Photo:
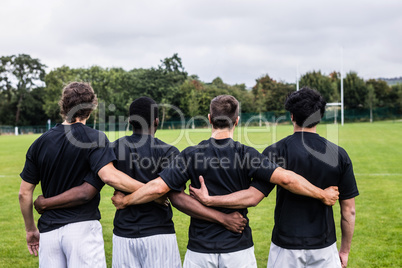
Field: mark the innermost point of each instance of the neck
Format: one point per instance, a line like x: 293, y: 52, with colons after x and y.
x: 297, y: 128
x: 76, y: 121
x: 223, y: 133
x: 144, y: 132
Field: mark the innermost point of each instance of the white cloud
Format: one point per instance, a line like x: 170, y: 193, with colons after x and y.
x: 236, y: 40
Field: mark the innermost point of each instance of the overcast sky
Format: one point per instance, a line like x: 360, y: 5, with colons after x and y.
x: 238, y: 41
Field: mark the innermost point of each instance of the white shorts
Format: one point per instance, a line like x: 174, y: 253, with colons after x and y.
x: 77, y: 244
x: 242, y: 258
x: 324, y: 257
x: 156, y: 251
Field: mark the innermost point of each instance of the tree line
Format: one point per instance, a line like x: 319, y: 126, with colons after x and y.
x: 29, y: 95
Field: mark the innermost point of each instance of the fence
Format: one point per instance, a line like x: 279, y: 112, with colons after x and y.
x: 246, y: 119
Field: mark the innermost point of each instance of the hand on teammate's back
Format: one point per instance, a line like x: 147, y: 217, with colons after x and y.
x: 118, y: 200
x: 235, y: 222
x: 201, y: 194
x: 163, y: 200
x: 39, y: 204
x: 331, y: 194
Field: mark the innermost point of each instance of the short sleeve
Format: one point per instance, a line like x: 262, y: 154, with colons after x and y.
x: 347, y: 185
x: 176, y: 174
x: 169, y: 156
x: 262, y: 186
x: 101, y: 155
x: 94, y: 180
x: 260, y: 169
x: 30, y: 173
x: 273, y: 154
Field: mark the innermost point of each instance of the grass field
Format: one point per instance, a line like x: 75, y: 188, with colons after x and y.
x: 376, y: 152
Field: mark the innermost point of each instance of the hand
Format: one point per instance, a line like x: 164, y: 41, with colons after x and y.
x: 118, y: 200
x: 33, y: 242
x: 234, y: 222
x: 201, y: 194
x: 163, y: 200
x: 331, y: 194
x: 344, y: 259
x: 40, y: 204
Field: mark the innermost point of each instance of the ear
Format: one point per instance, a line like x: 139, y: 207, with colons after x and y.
x: 291, y: 117
x: 156, y: 123
x: 209, y: 118
x: 237, y: 121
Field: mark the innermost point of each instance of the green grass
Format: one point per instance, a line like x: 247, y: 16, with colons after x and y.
x: 375, y: 150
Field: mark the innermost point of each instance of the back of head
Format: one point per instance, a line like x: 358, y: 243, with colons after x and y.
x: 307, y: 107
x: 224, y: 110
x: 143, y: 112
x: 78, y: 100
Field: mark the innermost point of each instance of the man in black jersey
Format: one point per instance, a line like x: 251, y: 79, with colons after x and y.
x: 304, y: 231
x: 303, y: 226
x: 227, y: 166
x: 144, y: 235
x: 69, y: 155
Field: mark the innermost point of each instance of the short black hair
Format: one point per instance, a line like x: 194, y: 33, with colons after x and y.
x: 304, y: 104
x: 143, y: 112
x: 224, y: 110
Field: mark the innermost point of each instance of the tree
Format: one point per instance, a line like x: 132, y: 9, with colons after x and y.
x: 189, y: 102
x: 381, y: 91
x: 20, y: 75
x: 397, y: 95
x: 355, y: 91
x: 319, y: 82
x: 371, y: 100
x: 272, y: 93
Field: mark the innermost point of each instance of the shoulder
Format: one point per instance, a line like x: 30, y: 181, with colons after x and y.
x: 244, y: 150
x: 89, y: 134
x: 344, y: 155
x: 165, y: 147
x: 278, y: 146
x: 203, y: 145
x: 43, y: 138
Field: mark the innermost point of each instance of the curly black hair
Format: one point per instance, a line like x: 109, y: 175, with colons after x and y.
x: 304, y: 105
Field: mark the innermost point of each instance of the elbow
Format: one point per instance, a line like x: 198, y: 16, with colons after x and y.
x: 286, y: 181
x: 159, y: 187
x: 254, y: 202
x: 353, y: 212
x: 111, y: 180
x: 348, y: 214
x: 85, y: 198
x: 22, y: 195
x: 108, y: 180
x: 174, y: 198
x: 160, y: 190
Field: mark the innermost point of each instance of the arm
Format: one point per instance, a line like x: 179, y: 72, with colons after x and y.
x: 234, y: 222
x: 118, y: 180
x: 32, y: 234
x: 299, y: 185
x: 73, y: 197
x: 149, y: 192
x: 348, y: 216
x: 237, y: 200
